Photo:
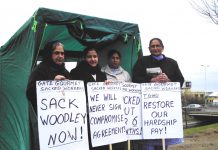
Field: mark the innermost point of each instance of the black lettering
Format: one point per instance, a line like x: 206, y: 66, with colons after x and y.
x: 53, y: 101
x: 71, y: 102
x: 59, y: 103
x: 94, y: 97
x: 42, y: 101
x: 52, y: 139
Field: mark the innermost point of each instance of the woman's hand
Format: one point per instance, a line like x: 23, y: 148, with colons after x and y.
x: 107, y: 82
x: 59, y: 77
x: 161, y: 78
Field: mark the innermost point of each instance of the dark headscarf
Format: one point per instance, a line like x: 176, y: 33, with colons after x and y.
x: 48, y: 50
x: 47, y: 54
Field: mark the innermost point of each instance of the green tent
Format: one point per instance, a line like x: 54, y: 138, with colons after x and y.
x: 19, y: 56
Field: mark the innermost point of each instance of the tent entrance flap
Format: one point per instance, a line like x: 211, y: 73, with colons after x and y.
x: 18, y: 55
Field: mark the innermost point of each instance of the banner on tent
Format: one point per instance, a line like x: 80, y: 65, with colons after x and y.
x: 62, y: 118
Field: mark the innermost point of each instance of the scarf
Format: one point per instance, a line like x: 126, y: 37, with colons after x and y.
x: 160, y: 57
x: 83, y: 65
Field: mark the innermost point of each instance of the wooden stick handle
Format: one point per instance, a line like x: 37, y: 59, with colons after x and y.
x: 128, y: 144
x: 164, y: 144
x: 110, y: 147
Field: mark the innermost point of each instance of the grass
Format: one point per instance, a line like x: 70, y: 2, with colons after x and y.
x: 191, y: 131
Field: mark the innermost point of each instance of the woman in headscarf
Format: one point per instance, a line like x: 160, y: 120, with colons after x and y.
x: 52, y: 67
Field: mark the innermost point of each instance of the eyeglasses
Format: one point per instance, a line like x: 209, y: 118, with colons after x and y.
x: 58, y: 53
x: 157, y: 46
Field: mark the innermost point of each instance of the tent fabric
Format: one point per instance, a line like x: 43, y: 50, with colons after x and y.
x: 19, y: 55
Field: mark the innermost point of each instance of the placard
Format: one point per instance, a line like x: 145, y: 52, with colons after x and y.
x: 62, y: 117
x: 161, y: 110
x: 132, y: 110
x: 106, y: 115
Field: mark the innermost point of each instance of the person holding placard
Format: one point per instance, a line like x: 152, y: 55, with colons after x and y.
x: 52, y: 67
x: 115, y: 72
x: 113, y: 69
x: 156, y: 68
x: 89, y: 70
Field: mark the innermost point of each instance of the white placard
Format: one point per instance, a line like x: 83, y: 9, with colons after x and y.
x: 62, y: 117
x: 132, y: 110
x: 162, y: 111
x: 106, y: 115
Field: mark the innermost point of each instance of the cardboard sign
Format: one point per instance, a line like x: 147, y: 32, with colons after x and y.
x: 106, y: 115
x: 62, y: 117
x: 132, y: 110
x: 161, y: 110
x: 117, y: 112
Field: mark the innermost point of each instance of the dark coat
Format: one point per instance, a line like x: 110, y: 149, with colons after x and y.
x: 167, y: 65
x: 84, y: 71
x: 140, y: 75
x: 44, y: 71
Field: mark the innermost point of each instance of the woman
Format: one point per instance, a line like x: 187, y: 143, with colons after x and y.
x: 52, y: 67
x: 89, y: 70
x: 113, y: 69
x: 156, y: 68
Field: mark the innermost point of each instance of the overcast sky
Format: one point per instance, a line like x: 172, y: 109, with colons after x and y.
x: 188, y: 37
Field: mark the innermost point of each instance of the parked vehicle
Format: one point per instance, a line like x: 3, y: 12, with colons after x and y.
x: 193, y: 107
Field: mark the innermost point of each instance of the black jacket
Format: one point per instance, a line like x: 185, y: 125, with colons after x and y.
x: 84, y: 72
x: 44, y: 71
x: 167, y: 65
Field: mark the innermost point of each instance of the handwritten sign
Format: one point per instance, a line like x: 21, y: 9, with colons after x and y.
x: 62, y: 118
x: 106, y: 115
x: 161, y: 110
x: 132, y: 110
